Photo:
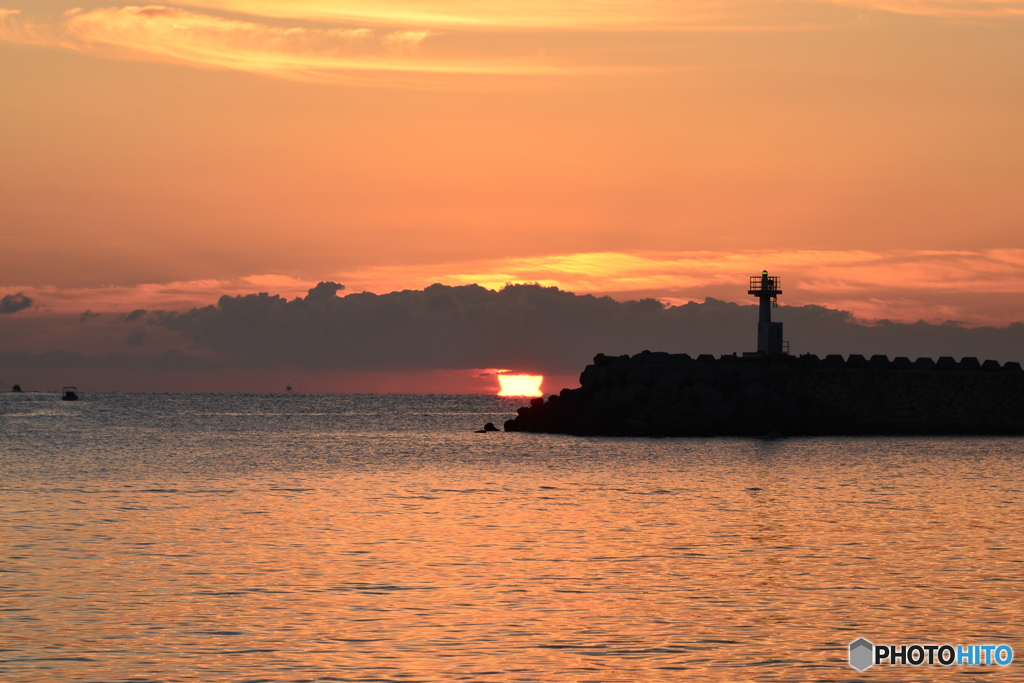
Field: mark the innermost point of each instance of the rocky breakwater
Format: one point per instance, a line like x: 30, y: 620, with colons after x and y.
x: 662, y: 394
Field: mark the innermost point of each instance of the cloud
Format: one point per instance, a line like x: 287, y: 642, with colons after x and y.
x: 131, y: 302
x: 137, y: 337
x: 978, y: 287
x: 12, y: 303
x: 406, y: 42
x: 324, y: 292
x: 498, y: 14
x: 583, y: 15
x: 536, y: 328
x: 87, y: 315
x: 598, y: 15
x: 452, y: 337
x: 328, y: 55
x: 945, y: 9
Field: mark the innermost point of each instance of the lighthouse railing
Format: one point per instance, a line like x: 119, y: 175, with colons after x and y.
x: 756, y: 282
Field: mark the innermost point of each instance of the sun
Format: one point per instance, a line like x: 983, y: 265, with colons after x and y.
x: 520, y: 385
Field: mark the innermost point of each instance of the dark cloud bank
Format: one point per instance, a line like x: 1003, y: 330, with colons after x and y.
x: 524, y: 328
x: 534, y: 328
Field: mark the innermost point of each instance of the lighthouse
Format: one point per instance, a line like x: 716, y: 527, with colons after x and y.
x: 769, y: 335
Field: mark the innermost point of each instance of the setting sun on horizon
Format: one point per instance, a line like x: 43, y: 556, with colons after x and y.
x: 520, y: 385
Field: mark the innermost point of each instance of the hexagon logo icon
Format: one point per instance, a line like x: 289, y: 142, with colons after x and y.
x: 862, y: 654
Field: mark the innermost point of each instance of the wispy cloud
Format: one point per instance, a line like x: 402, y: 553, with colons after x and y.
x: 15, y: 28
x: 365, y: 42
x: 603, y: 15
x: 500, y: 14
x: 945, y: 9
x: 171, y: 34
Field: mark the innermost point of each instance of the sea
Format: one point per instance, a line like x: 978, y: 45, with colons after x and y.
x: 254, y: 537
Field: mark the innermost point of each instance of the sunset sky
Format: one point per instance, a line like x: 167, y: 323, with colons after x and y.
x: 158, y: 157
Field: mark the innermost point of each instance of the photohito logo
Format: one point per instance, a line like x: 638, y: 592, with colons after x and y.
x: 864, y: 654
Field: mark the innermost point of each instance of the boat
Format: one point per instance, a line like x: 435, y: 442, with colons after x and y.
x: 70, y: 394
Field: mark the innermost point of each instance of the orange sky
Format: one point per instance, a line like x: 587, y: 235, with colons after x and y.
x: 869, y: 151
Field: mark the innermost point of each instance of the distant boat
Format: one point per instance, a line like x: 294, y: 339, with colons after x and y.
x: 70, y: 394
x: 288, y: 388
x: 16, y: 389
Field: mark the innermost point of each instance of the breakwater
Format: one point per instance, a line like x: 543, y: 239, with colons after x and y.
x: 662, y: 394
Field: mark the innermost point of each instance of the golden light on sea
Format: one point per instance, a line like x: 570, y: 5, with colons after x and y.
x: 520, y: 385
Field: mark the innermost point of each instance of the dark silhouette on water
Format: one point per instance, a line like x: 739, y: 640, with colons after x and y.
x: 16, y: 389
x: 70, y: 394
x: 772, y: 393
x: 489, y: 427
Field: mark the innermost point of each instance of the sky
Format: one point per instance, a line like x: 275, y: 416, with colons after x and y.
x: 158, y: 158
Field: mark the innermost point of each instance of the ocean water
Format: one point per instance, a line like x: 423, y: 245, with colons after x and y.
x: 187, y: 537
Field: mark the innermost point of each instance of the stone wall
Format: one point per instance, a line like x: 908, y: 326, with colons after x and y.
x: 661, y: 394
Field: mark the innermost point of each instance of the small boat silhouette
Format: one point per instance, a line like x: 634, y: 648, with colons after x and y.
x: 70, y: 394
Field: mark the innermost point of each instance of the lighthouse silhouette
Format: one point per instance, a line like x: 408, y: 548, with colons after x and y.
x: 769, y: 335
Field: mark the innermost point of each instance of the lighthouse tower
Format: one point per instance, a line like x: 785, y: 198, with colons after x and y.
x: 769, y: 334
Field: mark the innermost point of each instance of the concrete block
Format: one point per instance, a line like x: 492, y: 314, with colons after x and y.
x: 969, y: 364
